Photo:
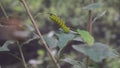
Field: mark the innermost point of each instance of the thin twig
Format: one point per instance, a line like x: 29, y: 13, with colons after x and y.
x: 22, y: 56
x: 89, y: 28
x: 3, y: 10
x: 39, y: 33
x: 15, y: 56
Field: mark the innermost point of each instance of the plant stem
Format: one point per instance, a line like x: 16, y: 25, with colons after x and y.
x: 39, y: 33
x: 89, y: 28
x: 15, y: 56
x: 3, y: 10
x: 22, y: 56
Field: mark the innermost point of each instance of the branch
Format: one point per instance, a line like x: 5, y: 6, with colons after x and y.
x: 22, y: 56
x: 39, y: 33
x: 89, y: 28
x: 3, y: 10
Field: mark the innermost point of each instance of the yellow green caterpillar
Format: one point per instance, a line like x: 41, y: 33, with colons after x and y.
x: 59, y: 22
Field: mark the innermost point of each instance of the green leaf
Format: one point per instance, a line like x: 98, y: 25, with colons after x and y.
x: 5, y: 46
x: 93, y: 6
x: 97, y: 52
x: 51, y: 41
x: 73, y: 62
x: 64, y: 38
x: 85, y: 35
x: 78, y: 38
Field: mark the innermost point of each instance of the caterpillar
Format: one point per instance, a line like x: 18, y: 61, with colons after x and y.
x: 59, y: 22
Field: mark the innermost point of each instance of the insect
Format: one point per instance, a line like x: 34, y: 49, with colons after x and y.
x: 59, y: 22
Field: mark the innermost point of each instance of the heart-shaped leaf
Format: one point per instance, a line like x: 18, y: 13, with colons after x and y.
x: 64, y: 38
x: 5, y: 46
x: 85, y: 35
x: 51, y: 41
x: 97, y: 52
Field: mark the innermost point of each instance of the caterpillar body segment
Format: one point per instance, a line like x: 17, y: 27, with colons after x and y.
x: 59, y: 22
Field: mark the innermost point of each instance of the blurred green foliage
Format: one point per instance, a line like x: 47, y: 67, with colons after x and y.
x: 105, y: 29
